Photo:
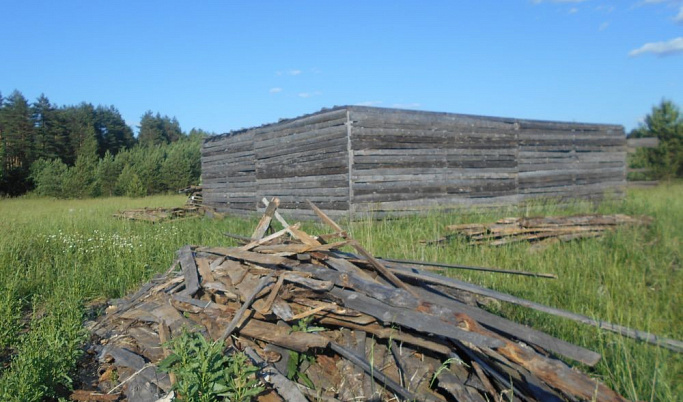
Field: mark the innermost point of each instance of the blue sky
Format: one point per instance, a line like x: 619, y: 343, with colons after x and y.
x: 226, y: 65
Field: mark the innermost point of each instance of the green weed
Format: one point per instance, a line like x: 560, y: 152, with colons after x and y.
x: 205, y: 374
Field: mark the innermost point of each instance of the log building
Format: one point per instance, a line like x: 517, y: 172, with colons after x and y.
x: 353, y: 159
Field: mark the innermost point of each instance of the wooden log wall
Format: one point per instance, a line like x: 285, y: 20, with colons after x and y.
x: 294, y: 160
x: 302, y: 159
x: 360, y: 159
x: 570, y: 160
x: 229, y: 173
x: 405, y: 161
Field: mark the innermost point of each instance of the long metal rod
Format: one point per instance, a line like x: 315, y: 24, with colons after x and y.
x: 471, y: 268
x: 416, y: 274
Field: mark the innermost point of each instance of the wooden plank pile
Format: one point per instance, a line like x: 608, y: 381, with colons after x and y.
x: 156, y: 215
x: 543, y: 229
x: 194, y: 208
x: 194, y: 196
x: 387, y: 331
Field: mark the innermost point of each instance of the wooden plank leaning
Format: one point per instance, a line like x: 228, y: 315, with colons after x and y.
x: 189, y: 271
x: 373, y: 261
x: 267, y: 217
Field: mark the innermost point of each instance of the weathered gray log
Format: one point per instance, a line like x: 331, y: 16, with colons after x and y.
x: 409, y: 318
x: 446, y: 307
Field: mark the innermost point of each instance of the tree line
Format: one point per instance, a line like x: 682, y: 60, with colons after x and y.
x: 665, y: 161
x: 86, y: 151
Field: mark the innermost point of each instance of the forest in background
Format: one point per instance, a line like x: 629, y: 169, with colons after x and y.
x: 88, y: 151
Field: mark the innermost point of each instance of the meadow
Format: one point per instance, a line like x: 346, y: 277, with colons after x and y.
x: 60, y: 258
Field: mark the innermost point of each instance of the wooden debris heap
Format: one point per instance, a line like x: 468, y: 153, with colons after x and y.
x: 194, y: 196
x: 386, y: 330
x: 156, y: 215
x: 194, y: 207
x: 545, y: 229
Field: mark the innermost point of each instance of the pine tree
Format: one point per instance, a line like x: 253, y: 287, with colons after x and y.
x: 79, y: 123
x: 116, y: 135
x: 665, y: 122
x: 107, y: 174
x: 171, y: 128
x: 158, y: 130
x: 2, y: 144
x: 18, y: 143
x: 48, y: 138
x: 129, y: 184
x: 151, y: 130
x: 176, y: 170
x: 81, y: 181
x: 49, y: 177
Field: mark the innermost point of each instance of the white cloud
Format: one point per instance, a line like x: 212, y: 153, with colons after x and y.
x: 605, y: 8
x: 309, y: 94
x: 679, y: 18
x: 660, y: 48
x: 288, y: 72
x: 413, y: 105
x: 369, y: 103
x: 604, y: 26
x: 573, y: 10
x: 275, y: 90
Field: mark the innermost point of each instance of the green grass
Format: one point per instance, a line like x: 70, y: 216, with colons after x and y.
x: 56, y: 257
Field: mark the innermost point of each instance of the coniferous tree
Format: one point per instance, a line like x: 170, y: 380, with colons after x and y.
x: 197, y: 134
x: 113, y: 131
x: 151, y: 131
x: 81, y: 179
x: 158, y: 130
x: 49, y: 141
x: 665, y: 122
x: 176, y: 170
x: 2, y: 144
x: 171, y: 128
x: 50, y: 177
x: 107, y: 173
x: 18, y: 143
x: 79, y: 123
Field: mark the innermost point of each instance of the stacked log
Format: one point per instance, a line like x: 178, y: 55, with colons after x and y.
x: 543, y: 229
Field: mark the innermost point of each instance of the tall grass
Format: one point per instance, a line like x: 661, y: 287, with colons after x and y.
x: 631, y: 277
x: 58, y: 256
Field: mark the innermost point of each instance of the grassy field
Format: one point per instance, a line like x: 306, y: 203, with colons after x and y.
x: 59, y: 257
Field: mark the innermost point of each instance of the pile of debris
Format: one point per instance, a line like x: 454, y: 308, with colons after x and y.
x: 156, y: 215
x: 194, y: 196
x: 546, y: 229
x: 193, y: 208
x: 385, y: 331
